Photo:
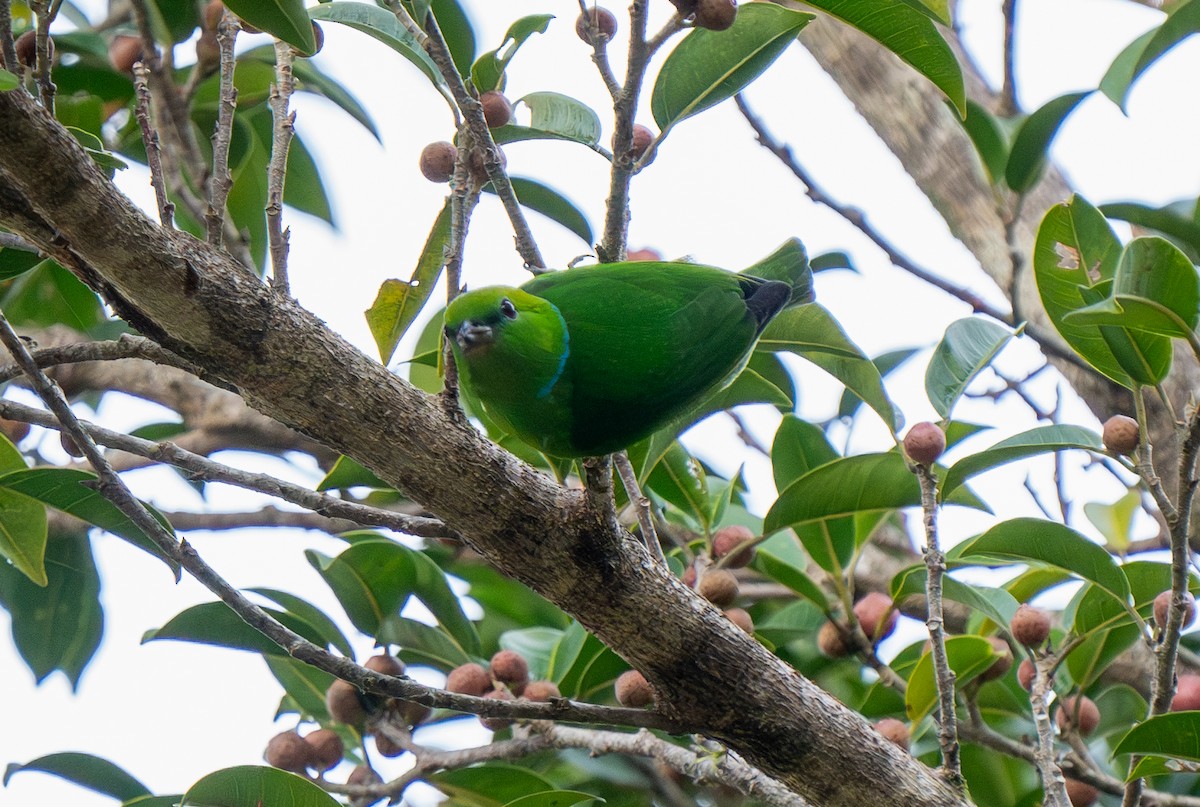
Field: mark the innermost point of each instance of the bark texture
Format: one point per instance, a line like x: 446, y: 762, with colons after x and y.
x: 198, y: 302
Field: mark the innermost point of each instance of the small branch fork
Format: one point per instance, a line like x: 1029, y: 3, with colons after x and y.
x: 166, y: 209
x: 221, y: 181
x: 641, y: 505
x: 284, y: 122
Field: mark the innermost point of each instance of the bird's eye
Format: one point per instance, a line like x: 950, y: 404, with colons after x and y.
x: 508, y: 309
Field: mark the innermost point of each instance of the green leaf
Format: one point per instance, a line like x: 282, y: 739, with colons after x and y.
x: 968, y: 656
x: 994, y: 603
x: 1115, y: 521
x: 551, y: 204
x: 553, y: 798
x: 331, y: 634
x: 85, y: 770
x: 49, y: 294
x: 398, y: 302
x: 780, y: 558
x: 1027, y: 160
x: 789, y: 264
x: 23, y: 530
x: 283, y: 19
x: 76, y: 492
x: 422, y: 644
x: 304, y: 684
x: 1088, y: 660
x: 969, y: 345
x: 1074, y: 262
x: 457, y: 31
x: 536, y: 645
x: 347, y: 473
x: 832, y: 260
x: 910, y: 34
x: 309, y: 78
x: 708, y: 67
x: 374, y: 578
x: 489, y: 785
x: 846, y: 486
x: 563, y: 117
x: 255, y: 786
x: 1168, y: 220
x: 1038, y: 541
x: 217, y: 624
x: 811, y: 331
x: 1039, y: 440
x: 1175, y: 735
x: 382, y: 25
x: 487, y: 73
x: 679, y: 479
x: 56, y: 626
x: 8, y: 81
x: 1131, y: 63
x: 989, y: 138
x: 936, y: 9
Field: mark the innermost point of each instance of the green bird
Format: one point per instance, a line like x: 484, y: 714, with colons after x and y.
x: 590, y: 360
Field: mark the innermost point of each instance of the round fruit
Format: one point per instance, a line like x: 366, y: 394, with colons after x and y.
x: 686, y: 8
x: 727, y: 539
x: 1187, y: 694
x: 1162, y: 604
x: 876, y: 615
x: 718, y: 586
x: 1121, y: 434
x: 125, y: 52
x: 1025, y: 674
x: 385, y: 665
x: 924, y: 443
x: 1030, y: 626
x: 497, y: 111
x: 831, y: 642
x: 364, y: 776
x: 26, y: 46
x: 497, y: 723
x: 642, y: 138
x: 689, y: 576
x: 69, y: 445
x: 1003, y: 662
x: 603, y: 21
x: 469, y: 679
x: 633, y: 690
x: 894, y: 730
x: 14, y: 430
x: 437, y: 161
x: 1089, y: 714
x: 1081, y: 794
x: 541, y: 691
x: 387, y: 747
x: 412, y: 714
x: 715, y: 15
x: 510, y: 667
x: 208, y: 51
x: 741, y: 617
x: 327, y: 749
x: 643, y: 254
x: 288, y: 752
x: 344, y: 704
x: 318, y: 38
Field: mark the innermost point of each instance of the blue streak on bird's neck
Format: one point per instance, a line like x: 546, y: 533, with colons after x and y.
x: 562, y: 361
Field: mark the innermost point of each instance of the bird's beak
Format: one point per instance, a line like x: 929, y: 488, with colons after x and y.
x: 471, y: 335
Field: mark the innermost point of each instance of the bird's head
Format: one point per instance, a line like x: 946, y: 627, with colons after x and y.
x: 477, y: 321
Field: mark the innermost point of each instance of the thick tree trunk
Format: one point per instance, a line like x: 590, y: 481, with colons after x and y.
x: 712, y: 678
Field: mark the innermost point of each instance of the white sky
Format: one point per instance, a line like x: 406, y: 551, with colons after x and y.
x: 170, y: 712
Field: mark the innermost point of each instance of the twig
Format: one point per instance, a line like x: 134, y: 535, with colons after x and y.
x: 462, y: 204
x: 269, y: 516
x: 897, y: 258
x: 935, y: 564
x: 46, y: 12
x: 1016, y: 257
x: 1008, y: 92
x: 222, y: 180
x: 641, y: 505
x: 1053, y: 783
x: 281, y: 139
x: 8, y: 48
x: 600, y: 52
x: 166, y: 209
x: 14, y: 241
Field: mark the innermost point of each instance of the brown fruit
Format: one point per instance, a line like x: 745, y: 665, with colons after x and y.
x: 1025, y: 674
x: 686, y: 8
x: 363, y: 776
x: 1163, y: 602
x: 124, y: 52
x: 437, y: 161
x: 412, y: 714
x: 497, y: 723
x: 876, y: 615
x: 208, y: 51
x: 385, y: 665
x: 469, y: 679
x: 633, y: 690
x: 603, y: 21
x: 497, y: 111
x: 830, y: 641
x: 510, y: 667
x: 1089, y: 714
x: 69, y: 445
x: 642, y: 138
x: 541, y: 691
x: 1121, y: 434
x: 715, y: 15
x: 1030, y: 626
x: 1187, y: 694
x: 1081, y: 794
x: 288, y: 751
x: 643, y: 254
x: 387, y: 747
x: 741, y: 617
x: 1003, y: 662
x: 213, y: 13
x: 689, y: 576
x: 327, y: 749
x: 344, y: 704
x: 318, y: 38
x: 718, y: 586
x: 26, y: 46
x: 14, y: 430
x: 924, y: 443
x: 727, y: 539
x: 894, y: 730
